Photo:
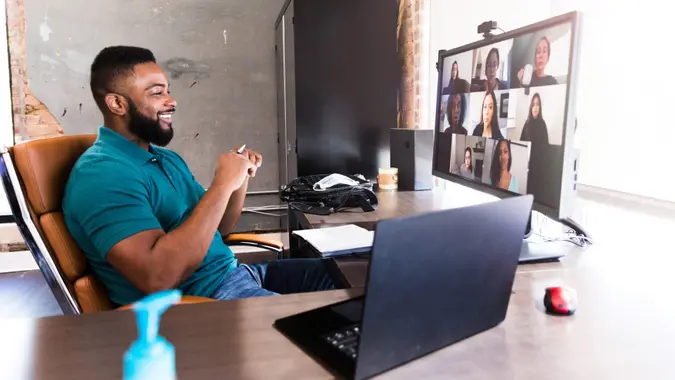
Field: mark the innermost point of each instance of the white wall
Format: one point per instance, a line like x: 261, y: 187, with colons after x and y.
x: 6, y: 120
x: 624, y: 98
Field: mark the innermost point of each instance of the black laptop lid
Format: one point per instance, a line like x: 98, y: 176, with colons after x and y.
x: 438, y: 278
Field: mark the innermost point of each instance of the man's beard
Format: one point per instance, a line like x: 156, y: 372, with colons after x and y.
x: 147, y: 129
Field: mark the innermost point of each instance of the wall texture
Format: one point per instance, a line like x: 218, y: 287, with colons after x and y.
x: 410, y: 44
x: 16, y: 39
x: 219, y: 55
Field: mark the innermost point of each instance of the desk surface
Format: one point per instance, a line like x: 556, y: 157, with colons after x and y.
x: 624, y: 327
x: 391, y: 205
x: 619, y: 332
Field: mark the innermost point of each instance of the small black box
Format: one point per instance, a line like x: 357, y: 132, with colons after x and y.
x: 411, y: 152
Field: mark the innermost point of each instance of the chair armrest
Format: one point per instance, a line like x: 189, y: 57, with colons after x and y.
x: 254, y: 240
x: 184, y: 300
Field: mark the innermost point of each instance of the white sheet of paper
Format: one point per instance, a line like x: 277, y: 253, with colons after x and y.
x: 338, y: 239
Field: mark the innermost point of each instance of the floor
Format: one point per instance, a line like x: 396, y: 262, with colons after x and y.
x: 26, y: 295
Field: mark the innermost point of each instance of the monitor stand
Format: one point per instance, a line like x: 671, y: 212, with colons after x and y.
x: 542, y: 251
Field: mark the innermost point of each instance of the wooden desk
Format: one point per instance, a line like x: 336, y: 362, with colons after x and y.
x: 624, y: 328
x: 391, y: 205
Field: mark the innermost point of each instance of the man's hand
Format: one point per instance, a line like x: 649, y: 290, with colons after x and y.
x: 235, y: 204
x: 255, y: 158
x: 232, y: 170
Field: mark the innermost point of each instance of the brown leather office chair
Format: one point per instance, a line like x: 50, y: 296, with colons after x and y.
x: 34, y: 175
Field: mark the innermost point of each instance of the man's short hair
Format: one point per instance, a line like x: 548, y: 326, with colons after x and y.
x: 112, y: 64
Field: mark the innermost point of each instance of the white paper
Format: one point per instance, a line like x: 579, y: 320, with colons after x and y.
x: 345, y: 239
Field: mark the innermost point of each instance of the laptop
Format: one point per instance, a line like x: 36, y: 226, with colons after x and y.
x: 434, y: 279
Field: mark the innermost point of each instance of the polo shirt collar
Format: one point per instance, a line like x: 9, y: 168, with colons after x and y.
x: 137, y: 154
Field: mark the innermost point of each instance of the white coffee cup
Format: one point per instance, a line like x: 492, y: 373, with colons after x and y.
x: 527, y: 75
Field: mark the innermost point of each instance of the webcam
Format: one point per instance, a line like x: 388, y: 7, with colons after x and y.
x: 486, y: 28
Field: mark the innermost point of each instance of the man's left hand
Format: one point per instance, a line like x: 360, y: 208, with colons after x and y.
x: 255, y: 158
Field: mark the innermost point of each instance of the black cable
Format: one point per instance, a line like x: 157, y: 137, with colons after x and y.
x: 501, y: 29
x: 349, y: 195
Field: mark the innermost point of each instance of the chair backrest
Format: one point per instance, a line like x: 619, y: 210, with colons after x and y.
x: 41, y: 170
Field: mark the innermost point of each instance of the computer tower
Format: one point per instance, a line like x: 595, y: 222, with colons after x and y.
x: 412, y: 153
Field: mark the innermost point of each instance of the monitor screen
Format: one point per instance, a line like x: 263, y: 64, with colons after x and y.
x: 502, y: 111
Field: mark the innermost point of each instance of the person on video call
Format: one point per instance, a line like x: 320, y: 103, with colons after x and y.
x: 466, y: 169
x: 142, y: 220
x: 535, y: 129
x: 456, y: 85
x: 542, y: 53
x: 500, y: 170
x: 491, y: 83
x: 456, y: 109
x: 489, y: 117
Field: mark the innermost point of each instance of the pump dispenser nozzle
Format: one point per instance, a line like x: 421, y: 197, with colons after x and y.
x: 151, y: 356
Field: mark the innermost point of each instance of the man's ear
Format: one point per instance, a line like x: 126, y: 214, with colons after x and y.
x: 117, y: 104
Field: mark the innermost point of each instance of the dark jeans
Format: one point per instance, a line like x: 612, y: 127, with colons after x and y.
x: 280, y: 277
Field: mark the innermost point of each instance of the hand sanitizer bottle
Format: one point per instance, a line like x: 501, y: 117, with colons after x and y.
x: 151, y: 356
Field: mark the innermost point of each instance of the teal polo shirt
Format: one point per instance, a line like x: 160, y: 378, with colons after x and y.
x: 117, y: 189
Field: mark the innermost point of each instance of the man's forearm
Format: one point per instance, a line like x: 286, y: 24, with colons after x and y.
x: 188, y: 244
x: 232, y: 214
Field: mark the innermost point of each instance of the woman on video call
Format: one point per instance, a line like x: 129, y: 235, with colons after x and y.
x: 456, y: 108
x: 466, y: 169
x: 492, y: 83
x: 542, y: 53
x: 489, y: 117
x: 535, y: 129
x: 456, y: 85
x: 500, y: 170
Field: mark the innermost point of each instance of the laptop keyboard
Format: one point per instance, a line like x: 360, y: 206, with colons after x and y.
x: 346, y: 340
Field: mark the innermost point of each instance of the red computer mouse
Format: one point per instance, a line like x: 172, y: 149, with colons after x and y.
x: 560, y: 300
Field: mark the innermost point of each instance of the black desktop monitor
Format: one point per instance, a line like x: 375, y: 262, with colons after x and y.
x: 505, y: 114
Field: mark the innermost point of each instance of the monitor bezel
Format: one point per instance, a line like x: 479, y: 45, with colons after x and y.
x: 568, y: 183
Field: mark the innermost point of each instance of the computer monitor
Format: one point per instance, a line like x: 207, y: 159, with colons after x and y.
x: 505, y: 114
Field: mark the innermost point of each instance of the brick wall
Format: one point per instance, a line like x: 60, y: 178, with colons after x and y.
x: 32, y: 119
x: 410, y: 36
x: 16, y: 36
